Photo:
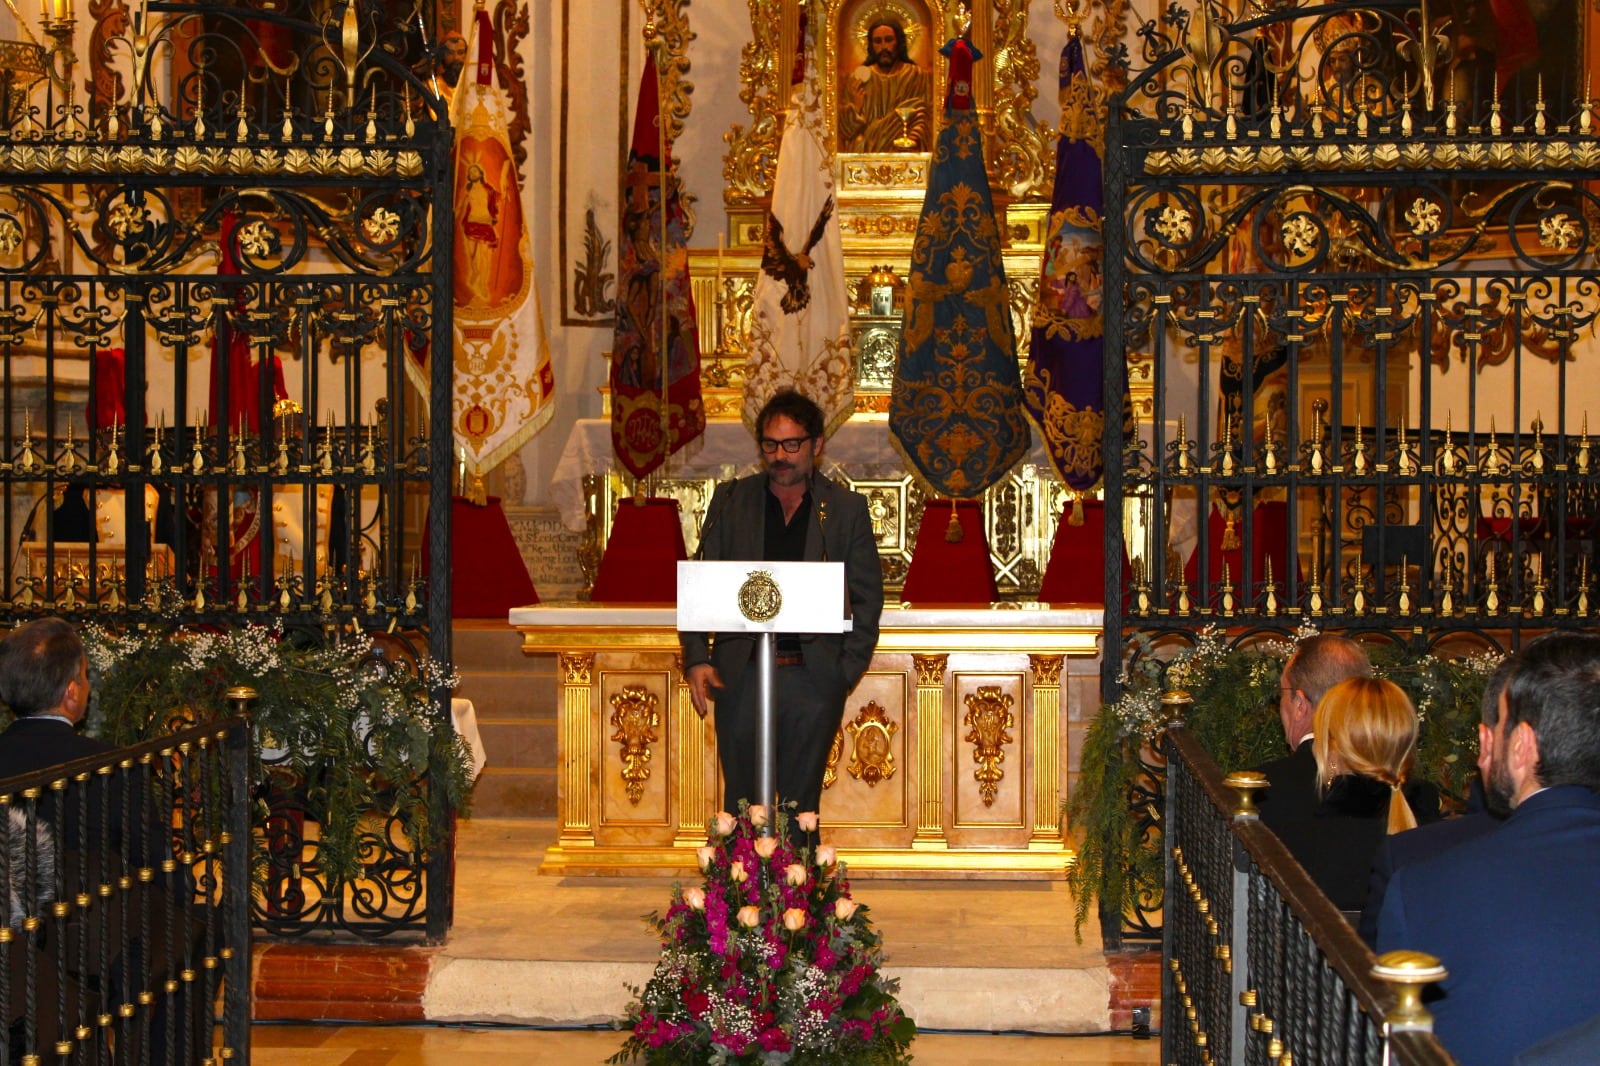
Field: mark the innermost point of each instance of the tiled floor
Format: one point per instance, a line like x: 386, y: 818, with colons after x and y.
x: 297, y: 1045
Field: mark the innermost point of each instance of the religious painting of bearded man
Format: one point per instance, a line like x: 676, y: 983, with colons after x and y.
x: 884, y: 51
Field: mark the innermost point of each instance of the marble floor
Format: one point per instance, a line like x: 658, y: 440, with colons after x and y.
x: 302, y: 1045
x: 991, y: 956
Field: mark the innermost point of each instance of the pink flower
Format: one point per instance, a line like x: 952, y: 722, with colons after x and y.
x: 758, y: 815
x: 794, y: 919
x: 807, y: 821
x: 766, y: 846
x: 722, y: 824
x: 794, y: 874
x: 774, y: 1039
x: 826, y: 856
x: 749, y: 917
x: 705, y: 855
x: 844, y: 908
x: 737, y: 873
x: 695, y: 897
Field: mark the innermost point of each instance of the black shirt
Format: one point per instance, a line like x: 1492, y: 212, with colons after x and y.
x: 785, y: 542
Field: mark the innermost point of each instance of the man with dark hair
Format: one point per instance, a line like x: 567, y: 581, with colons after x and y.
x: 1424, y: 842
x: 1317, y: 664
x: 1511, y: 915
x: 788, y: 513
x: 44, y: 682
x: 877, y: 92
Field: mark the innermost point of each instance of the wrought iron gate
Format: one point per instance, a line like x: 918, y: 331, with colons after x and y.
x: 218, y: 253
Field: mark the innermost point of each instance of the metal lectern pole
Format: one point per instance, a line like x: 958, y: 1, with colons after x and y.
x: 766, y: 735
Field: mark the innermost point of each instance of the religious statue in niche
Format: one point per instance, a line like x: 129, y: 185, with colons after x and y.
x: 884, y: 99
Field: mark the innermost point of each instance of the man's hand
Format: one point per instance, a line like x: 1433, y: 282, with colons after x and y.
x: 701, y: 677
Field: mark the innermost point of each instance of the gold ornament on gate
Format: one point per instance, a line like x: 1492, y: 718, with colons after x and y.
x: 759, y: 597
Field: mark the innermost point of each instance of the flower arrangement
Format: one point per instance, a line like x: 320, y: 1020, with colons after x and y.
x: 352, y: 725
x: 770, y: 960
x: 1233, y: 714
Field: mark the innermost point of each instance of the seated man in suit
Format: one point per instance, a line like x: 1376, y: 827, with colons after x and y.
x: 44, y: 682
x: 1511, y: 915
x: 1318, y: 664
x: 1414, y: 845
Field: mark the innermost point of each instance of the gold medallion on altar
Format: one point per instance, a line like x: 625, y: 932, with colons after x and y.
x: 759, y: 598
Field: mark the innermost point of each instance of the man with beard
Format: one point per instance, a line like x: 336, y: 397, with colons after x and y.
x: 1511, y: 915
x: 1424, y: 842
x: 877, y: 91
x: 788, y: 513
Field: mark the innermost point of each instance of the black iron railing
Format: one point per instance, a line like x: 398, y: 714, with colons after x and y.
x: 1259, y: 966
x: 126, y: 894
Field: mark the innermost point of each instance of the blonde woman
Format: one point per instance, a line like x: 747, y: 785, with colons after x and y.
x: 1365, y: 742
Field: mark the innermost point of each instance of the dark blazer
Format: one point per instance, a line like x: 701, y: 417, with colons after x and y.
x: 1291, y: 792
x: 1578, y: 1046
x: 735, y: 529
x: 30, y: 744
x: 1512, y: 916
x: 1414, y: 845
x: 1336, y: 844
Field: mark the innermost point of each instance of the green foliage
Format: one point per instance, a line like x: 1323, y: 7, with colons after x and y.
x: 1234, y: 716
x: 355, y: 731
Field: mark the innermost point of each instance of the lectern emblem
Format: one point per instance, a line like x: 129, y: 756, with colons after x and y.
x: 759, y: 598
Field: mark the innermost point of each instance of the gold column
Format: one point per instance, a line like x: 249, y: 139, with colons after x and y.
x: 690, y: 763
x: 577, y: 748
x: 1046, y: 749
x: 930, y: 750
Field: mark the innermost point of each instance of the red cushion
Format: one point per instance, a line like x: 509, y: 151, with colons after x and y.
x: 487, y: 574
x: 1076, y: 572
x: 642, y: 554
x: 950, y: 573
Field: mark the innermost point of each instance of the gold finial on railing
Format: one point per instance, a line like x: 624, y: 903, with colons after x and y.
x: 1175, y: 705
x: 1406, y: 972
x: 240, y: 697
x: 1245, y: 783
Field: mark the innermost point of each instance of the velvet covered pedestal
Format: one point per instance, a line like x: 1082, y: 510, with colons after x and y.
x: 1076, y: 572
x: 488, y: 577
x: 642, y: 554
x: 950, y: 572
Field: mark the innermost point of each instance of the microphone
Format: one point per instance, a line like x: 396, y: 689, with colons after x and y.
x: 711, y: 519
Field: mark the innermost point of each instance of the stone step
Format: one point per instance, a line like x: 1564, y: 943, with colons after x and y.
x: 507, y: 695
x: 515, y: 792
x: 491, y: 646
x: 519, y: 743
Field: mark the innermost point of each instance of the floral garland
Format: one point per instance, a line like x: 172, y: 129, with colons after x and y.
x: 1233, y: 713
x: 351, y: 727
x: 770, y: 960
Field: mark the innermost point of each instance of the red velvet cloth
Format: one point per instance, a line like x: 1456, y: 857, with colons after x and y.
x: 105, y: 407
x: 946, y: 573
x: 1076, y: 572
x: 642, y: 554
x: 487, y: 574
x: 1269, y: 539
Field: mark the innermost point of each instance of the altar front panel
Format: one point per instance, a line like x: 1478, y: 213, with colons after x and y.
x: 950, y: 759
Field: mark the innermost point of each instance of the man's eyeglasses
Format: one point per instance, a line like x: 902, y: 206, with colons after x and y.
x: 790, y: 445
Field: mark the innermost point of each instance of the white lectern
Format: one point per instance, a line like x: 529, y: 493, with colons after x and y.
x: 763, y: 599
